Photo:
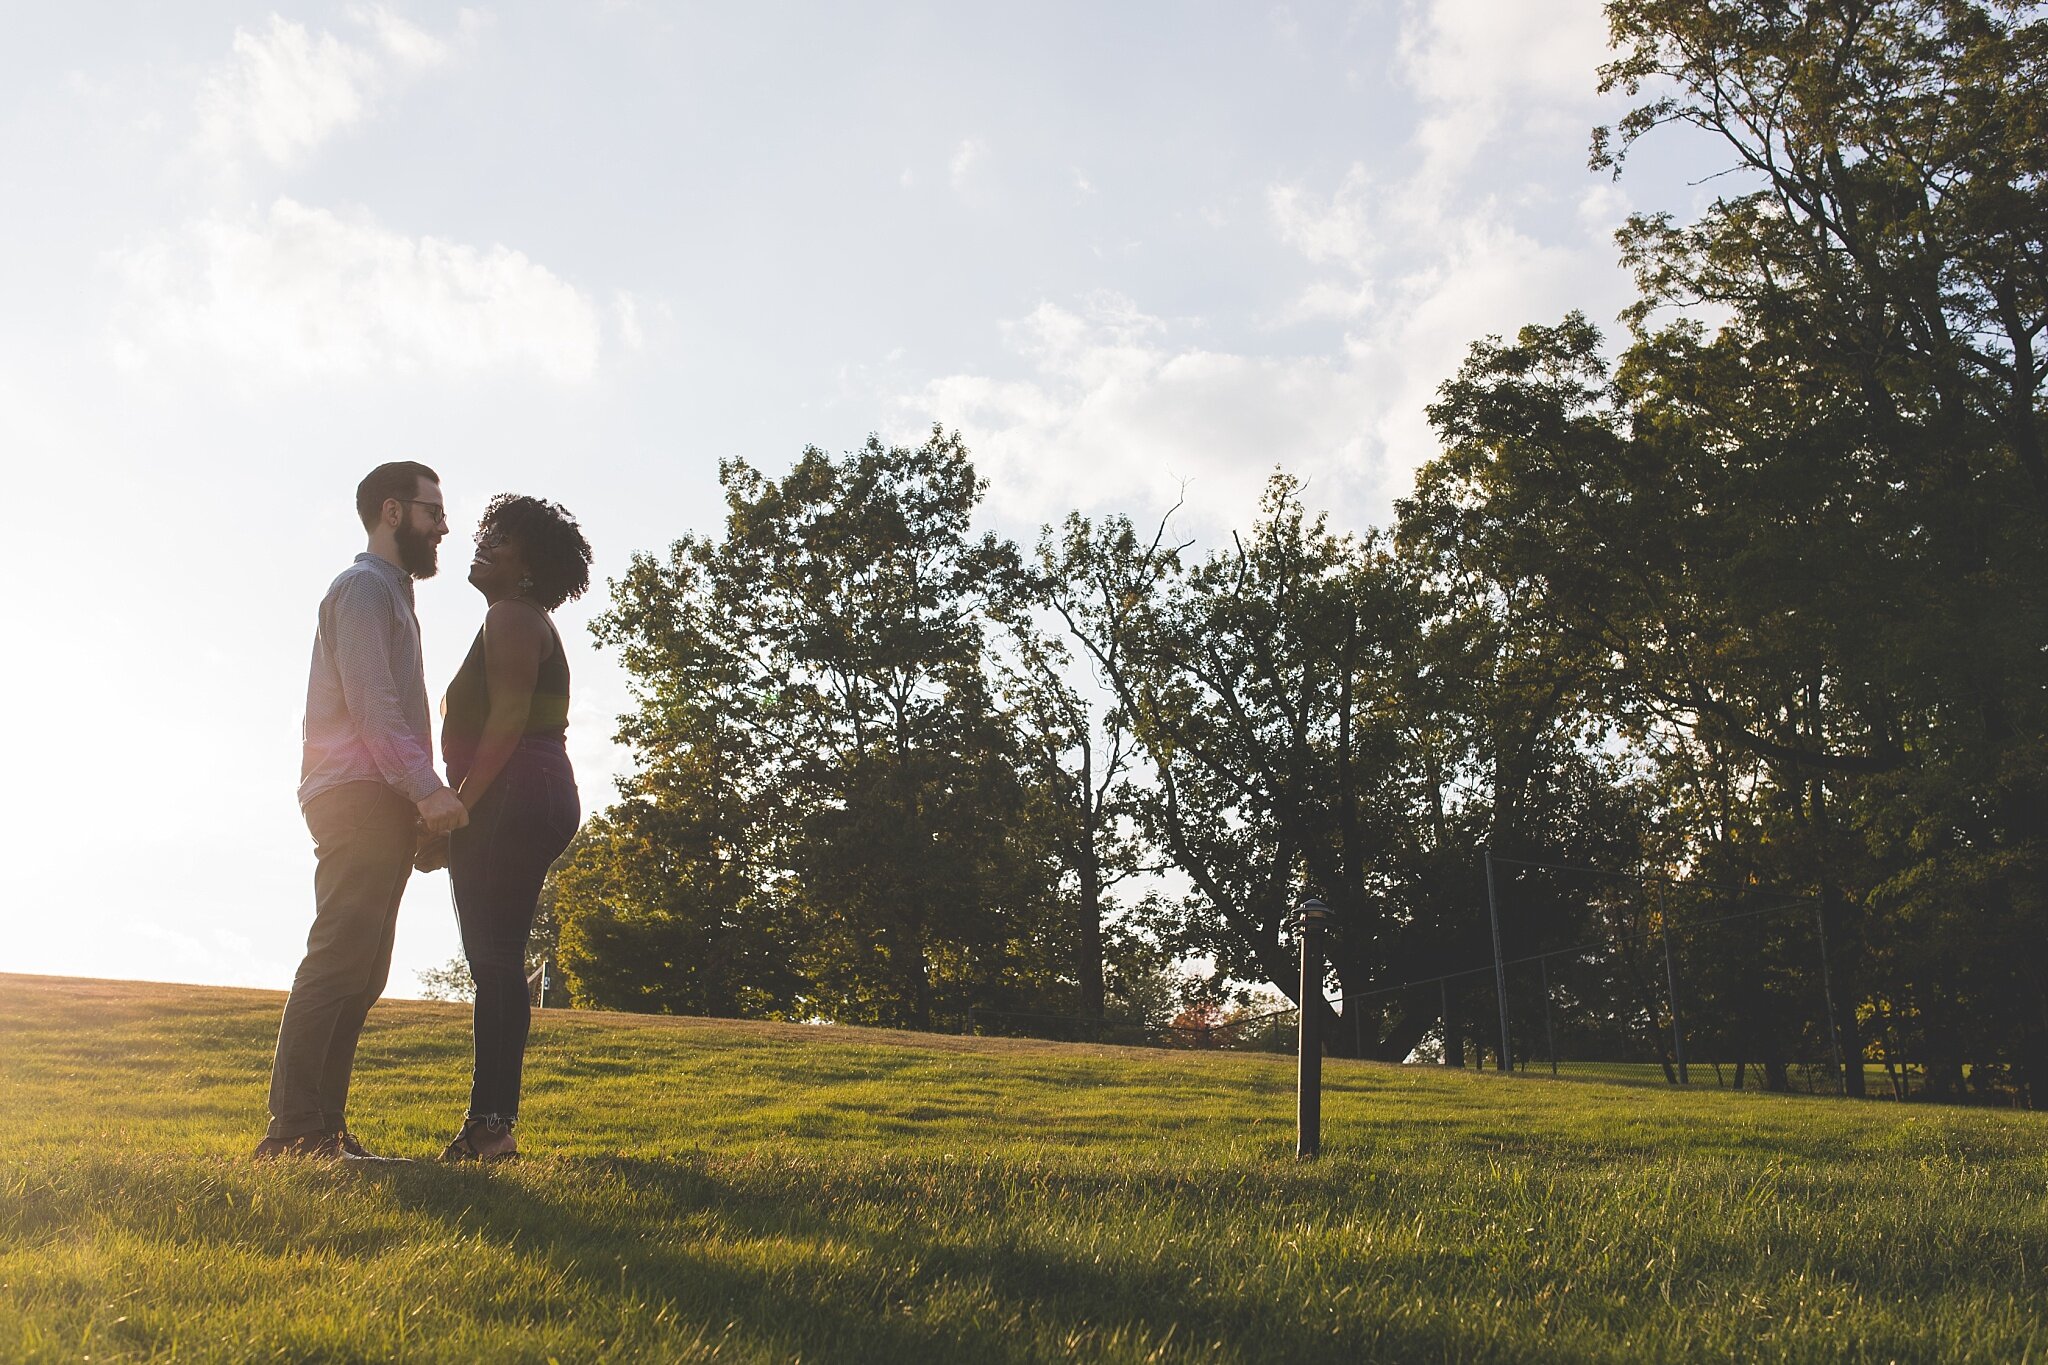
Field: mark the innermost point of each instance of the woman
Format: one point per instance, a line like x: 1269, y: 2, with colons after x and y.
x: 502, y: 728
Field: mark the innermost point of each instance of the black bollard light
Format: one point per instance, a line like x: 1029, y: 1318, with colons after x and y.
x: 1308, y: 1105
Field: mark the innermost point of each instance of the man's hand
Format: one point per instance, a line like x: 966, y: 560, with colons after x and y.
x: 432, y: 853
x: 442, y: 811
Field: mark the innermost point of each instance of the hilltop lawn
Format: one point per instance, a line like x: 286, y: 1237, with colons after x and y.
x: 708, y: 1190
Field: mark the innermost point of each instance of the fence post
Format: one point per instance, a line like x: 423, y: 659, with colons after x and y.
x: 1671, y: 987
x: 1549, y: 1038
x: 1500, y: 971
x: 1308, y: 1098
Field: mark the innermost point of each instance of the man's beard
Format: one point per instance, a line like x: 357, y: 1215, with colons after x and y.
x: 417, y: 551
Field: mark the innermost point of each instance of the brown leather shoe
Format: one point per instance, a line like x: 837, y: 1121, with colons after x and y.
x: 353, y: 1150
x: 319, y: 1146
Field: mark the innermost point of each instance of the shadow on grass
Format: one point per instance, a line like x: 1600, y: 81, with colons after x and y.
x: 965, y: 1289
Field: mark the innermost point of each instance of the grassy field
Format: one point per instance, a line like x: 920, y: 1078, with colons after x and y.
x: 707, y: 1190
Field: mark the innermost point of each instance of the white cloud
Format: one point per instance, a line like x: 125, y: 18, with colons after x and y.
x: 1454, y: 50
x: 1116, y: 408
x: 1339, y: 229
x: 1344, y: 229
x: 1602, y: 209
x: 406, y: 43
x: 626, y: 317
x: 1488, y: 279
x: 1116, y: 415
x: 301, y: 292
x: 1473, y: 61
x: 1110, y: 407
x: 967, y: 156
x: 284, y: 90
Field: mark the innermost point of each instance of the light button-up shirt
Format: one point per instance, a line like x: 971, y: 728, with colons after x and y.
x: 366, y: 701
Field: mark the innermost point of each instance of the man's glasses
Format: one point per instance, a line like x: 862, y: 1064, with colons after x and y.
x: 439, y: 510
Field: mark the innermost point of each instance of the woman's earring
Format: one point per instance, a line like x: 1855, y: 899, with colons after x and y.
x: 526, y: 585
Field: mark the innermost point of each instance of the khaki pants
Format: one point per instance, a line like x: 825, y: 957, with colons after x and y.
x: 363, y: 841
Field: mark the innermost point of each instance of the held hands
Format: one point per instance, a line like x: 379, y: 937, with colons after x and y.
x: 432, y: 853
x: 442, y: 811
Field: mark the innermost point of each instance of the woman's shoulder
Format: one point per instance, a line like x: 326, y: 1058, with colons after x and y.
x: 518, y: 619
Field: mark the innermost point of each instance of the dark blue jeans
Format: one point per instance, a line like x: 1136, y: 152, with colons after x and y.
x: 497, y: 863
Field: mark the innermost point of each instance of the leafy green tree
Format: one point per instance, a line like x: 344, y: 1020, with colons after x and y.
x: 1081, y: 761
x: 1882, y: 269
x: 1892, y: 234
x: 1315, y: 721
x: 1703, y: 591
x: 1809, y: 541
x: 834, y: 814
x: 661, y: 912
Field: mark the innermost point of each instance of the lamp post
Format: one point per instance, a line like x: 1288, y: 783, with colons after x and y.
x: 1314, y: 917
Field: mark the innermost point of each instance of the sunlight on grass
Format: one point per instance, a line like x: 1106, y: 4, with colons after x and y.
x: 709, y: 1190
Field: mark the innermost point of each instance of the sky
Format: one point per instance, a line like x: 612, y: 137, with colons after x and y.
x: 1137, y: 254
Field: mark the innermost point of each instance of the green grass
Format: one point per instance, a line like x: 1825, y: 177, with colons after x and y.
x: 707, y: 1190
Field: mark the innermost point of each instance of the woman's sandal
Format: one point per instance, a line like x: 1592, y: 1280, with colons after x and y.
x: 464, y: 1147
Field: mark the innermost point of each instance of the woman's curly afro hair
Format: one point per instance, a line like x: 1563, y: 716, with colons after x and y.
x: 557, y: 555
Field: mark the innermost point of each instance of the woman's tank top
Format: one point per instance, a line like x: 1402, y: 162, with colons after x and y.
x: 468, y: 704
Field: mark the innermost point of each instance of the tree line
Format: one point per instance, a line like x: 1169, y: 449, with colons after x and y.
x: 1750, y: 592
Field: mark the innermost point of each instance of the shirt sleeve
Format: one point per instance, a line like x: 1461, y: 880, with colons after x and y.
x: 361, y: 621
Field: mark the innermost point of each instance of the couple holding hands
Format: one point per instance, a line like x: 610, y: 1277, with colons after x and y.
x: 378, y: 810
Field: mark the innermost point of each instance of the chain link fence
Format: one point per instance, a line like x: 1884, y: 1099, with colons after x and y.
x: 1657, y: 980
x: 1592, y: 973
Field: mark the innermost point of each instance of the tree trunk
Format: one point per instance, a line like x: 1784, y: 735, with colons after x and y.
x: 1088, y: 968
x: 1088, y: 963
x: 1835, y: 916
x: 2032, y: 1071
x: 1407, y: 1031
x: 1646, y: 1001
x: 1944, y: 1078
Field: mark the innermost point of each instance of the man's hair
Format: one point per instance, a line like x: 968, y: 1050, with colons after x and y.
x: 556, y: 553
x: 399, y: 479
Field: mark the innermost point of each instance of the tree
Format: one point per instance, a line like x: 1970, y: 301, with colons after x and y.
x: 662, y: 908
x: 1895, y: 237
x: 834, y: 816
x: 1884, y: 273
x: 1810, y: 541
x: 1081, y: 760
x: 1311, y: 719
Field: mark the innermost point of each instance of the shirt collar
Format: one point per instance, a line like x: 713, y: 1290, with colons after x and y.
x: 399, y: 577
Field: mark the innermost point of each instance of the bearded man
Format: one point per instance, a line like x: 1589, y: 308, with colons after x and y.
x: 367, y: 786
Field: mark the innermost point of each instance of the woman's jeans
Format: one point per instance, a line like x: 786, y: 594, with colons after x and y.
x: 497, y: 863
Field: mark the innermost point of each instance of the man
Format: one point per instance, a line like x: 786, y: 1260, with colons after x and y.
x: 367, y: 784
